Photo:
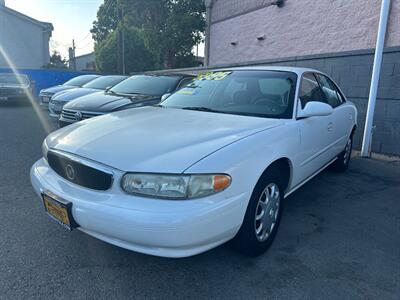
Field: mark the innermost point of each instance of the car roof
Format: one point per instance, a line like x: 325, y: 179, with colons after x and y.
x: 111, y: 76
x: 297, y: 70
x: 167, y: 74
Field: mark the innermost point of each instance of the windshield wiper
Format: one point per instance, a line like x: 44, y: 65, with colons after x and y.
x: 111, y: 92
x: 201, y: 108
x: 207, y: 109
x: 130, y: 95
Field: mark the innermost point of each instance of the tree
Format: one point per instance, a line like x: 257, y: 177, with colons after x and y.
x: 57, y: 61
x: 138, y: 58
x: 106, y: 22
x: 171, y: 27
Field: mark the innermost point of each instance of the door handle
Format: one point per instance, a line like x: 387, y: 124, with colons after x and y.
x: 330, y: 126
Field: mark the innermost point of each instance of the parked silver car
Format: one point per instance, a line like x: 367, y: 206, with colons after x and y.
x: 102, y: 83
x: 14, y: 86
x: 46, y: 94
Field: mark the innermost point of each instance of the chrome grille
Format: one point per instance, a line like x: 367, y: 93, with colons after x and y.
x: 9, y: 92
x: 74, y: 115
x: 79, y: 173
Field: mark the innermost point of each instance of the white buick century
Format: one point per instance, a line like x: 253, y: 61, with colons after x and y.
x: 212, y: 163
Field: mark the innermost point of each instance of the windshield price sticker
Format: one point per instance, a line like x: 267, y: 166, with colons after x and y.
x: 186, y: 91
x: 213, y: 75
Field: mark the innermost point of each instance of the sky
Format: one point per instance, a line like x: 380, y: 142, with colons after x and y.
x: 72, y: 19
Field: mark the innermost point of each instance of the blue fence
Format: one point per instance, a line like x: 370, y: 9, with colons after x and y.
x: 42, y: 79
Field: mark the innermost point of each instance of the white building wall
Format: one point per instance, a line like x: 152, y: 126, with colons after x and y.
x: 301, y: 27
x: 83, y: 61
x: 26, y: 43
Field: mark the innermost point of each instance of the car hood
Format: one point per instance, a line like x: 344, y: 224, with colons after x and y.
x: 155, y: 139
x: 102, y: 102
x: 72, y: 94
x: 13, y: 86
x: 58, y: 88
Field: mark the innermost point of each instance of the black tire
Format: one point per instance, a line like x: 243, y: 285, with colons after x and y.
x: 247, y: 241
x: 343, y: 159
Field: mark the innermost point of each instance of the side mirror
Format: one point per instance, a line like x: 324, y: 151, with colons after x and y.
x: 314, y: 109
x: 108, y: 88
x: 165, y: 96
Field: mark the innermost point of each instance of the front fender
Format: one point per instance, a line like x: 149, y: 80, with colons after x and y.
x: 247, y: 159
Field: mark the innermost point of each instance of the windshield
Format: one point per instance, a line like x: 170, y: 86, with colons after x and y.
x: 104, y: 82
x: 80, y: 80
x: 13, y: 79
x: 254, y: 93
x: 147, y: 85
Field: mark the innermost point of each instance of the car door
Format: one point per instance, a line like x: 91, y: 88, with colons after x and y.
x: 342, y: 115
x: 316, y: 133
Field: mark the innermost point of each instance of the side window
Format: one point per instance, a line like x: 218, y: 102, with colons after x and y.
x: 333, y: 97
x: 310, y: 90
x: 184, y: 82
x: 340, y: 96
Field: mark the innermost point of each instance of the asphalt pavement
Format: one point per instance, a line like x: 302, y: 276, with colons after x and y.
x: 339, y: 239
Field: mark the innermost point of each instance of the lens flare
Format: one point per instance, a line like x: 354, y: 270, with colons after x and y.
x: 45, y: 123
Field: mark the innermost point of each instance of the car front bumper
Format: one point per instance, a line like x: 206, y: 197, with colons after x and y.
x: 151, y: 226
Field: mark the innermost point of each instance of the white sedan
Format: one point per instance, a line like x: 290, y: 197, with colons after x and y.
x: 213, y: 162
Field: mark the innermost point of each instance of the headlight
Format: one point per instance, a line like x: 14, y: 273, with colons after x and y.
x: 174, y: 186
x: 45, y: 149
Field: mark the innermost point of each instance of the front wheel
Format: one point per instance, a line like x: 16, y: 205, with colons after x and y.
x: 343, y: 160
x: 262, y: 217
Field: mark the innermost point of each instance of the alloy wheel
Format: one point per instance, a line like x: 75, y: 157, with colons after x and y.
x: 347, y: 152
x: 267, y: 212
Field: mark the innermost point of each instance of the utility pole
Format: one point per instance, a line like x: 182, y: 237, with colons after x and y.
x: 121, y: 42
x: 71, y: 54
x: 209, y: 6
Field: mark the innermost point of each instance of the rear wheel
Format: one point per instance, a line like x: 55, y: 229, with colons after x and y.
x: 343, y: 160
x: 262, y: 217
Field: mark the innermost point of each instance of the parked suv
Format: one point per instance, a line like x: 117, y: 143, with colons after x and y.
x: 136, y: 91
x: 46, y: 94
x: 13, y: 86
